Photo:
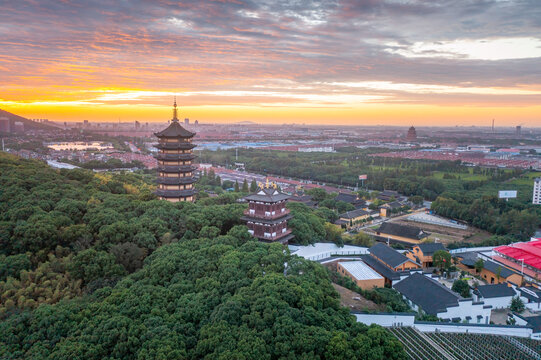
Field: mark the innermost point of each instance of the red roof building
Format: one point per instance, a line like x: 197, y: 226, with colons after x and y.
x: 267, y: 215
x: 522, y: 256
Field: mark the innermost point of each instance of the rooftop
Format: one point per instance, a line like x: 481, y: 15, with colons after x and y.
x: 267, y: 195
x: 392, y: 205
x: 411, y: 232
x: 529, y: 251
x: 349, y: 198
x: 494, y: 291
x: 427, y: 293
x: 324, y: 250
x: 175, y: 130
x: 388, y: 255
x: 429, y: 249
x: 381, y: 268
x: 495, y: 268
x: 354, y: 214
x: 360, y: 271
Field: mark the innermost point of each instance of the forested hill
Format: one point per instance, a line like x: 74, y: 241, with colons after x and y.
x: 92, y: 267
x: 28, y: 124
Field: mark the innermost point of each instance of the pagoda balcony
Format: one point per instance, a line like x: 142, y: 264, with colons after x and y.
x: 176, y: 168
x: 183, y: 145
x: 258, y: 215
x: 175, y: 180
x: 175, y: 193
x: 184, y: 157
x: 274, y: 238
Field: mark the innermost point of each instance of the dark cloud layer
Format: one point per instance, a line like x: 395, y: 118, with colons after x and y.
x: 238, y: 45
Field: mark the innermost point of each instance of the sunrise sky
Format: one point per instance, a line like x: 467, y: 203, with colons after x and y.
x: 390, y: 62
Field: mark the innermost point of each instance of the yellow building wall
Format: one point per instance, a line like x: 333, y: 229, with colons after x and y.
x: 363, y: 284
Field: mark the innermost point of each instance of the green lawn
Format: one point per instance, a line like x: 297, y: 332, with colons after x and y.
x: 463, y: 176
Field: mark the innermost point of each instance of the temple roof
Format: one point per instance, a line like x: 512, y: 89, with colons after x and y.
x: 175, y: 130
x: 267, y: 195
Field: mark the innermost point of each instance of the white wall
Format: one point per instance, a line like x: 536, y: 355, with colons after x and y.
x: 487, y: 329
x: 386, y: 320
x: 467, y: 308
x: 499, y: 302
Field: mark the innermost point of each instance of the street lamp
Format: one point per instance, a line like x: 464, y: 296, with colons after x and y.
x: 522, y: 268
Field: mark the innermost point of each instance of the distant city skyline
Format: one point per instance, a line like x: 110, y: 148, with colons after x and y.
x: 366, y: 62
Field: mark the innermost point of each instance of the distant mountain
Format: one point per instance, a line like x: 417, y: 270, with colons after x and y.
x: 28, y: 124
x: 245, y: 123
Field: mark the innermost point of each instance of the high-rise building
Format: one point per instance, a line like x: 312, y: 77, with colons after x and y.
x: 536, y: 199
x: 267, y: 215
x: 4, y: 125
x: 187, y: 121
x: 18, y: 127
x: 412, y: 134
x: 518, y: 130
x: 175, y: 169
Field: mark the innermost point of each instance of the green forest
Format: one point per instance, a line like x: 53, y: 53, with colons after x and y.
x: 92, y: 266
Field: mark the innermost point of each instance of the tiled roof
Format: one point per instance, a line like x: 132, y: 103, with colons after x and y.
x: 381, y: 268
x: 267, y: 195
x: 430, y: 248
x: 349, y: 198
x: 354, y: 214
x: 175, y: 129
x: 495, y: 267
x: 411, y: 232
x: 388, y: 255
x: 494, y: 291
x: 427, y: 293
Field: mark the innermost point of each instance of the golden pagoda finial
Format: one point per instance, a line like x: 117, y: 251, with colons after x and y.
x: 267, y: 184
x: 175, y: 116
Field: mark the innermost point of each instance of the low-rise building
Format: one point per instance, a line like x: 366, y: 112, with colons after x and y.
x: 499, y: 296
x: 426, y: 294
x: 303, y: 198
x: 531, y: 297
x: 386, y: 210
x: 492, y: 272
x: 353, y: 218
x: 388, y: 195
x: 362, y: 274
x: 392, y: 258
x: 352, y: 199
x: 406, y: 234
x: 423, y: 253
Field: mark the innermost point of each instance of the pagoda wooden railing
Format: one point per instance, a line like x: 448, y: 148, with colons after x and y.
x: 258, y: 215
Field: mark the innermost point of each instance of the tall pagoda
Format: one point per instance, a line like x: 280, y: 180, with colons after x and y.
x: 267, y: 215
x: 412, y: 134
x: 175, y: 155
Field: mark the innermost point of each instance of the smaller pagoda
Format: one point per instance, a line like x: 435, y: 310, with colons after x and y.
x: 175, y: 168
x: 267, y: 215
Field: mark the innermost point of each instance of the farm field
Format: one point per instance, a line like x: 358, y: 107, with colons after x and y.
x: 456, y: 346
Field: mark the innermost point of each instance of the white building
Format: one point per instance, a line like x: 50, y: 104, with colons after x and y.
x: 426, y: 294
x: 498, y: 296
x: 536, y: 199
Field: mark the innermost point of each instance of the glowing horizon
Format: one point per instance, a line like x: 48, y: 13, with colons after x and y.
x: 325, y: 62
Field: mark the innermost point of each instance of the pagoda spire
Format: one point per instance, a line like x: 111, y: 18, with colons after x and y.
x: 175, y: 111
